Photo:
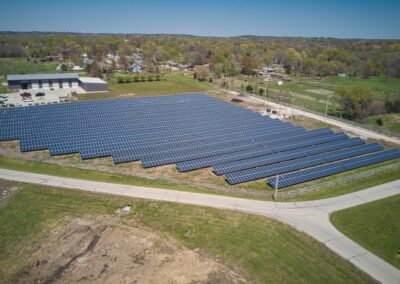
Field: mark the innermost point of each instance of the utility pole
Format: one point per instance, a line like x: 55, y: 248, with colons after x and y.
x: 275, y: 196
x: 326, y: 107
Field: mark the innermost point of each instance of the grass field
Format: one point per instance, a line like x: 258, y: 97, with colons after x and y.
x: 269, y: 251
x: 71, y: 172
x: 391, y: 122
x: 168, y: 85
x: 376, y: 226
x: 22, y: 66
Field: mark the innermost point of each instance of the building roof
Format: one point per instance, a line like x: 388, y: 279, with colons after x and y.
x: 92, y: 80
x: 42, y: 76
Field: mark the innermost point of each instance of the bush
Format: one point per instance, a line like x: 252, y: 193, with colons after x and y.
x: 379, y: 121
x: 158, y: 77
x: 120, y: 79
x: 249, y: 88
x: 136, y: 78
x: 143, y: 78
x: 150, y: 78
x: 261, y: 91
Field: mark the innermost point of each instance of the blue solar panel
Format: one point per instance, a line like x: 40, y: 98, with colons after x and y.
x: 193, y: 131
x: 333, y: 168
x: 297, y: 164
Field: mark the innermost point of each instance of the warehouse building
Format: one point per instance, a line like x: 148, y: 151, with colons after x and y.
x: 56, y: 81
x: 90, y: 84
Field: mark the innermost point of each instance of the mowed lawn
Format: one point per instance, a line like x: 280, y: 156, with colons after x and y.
x: 391, y: 122
x: 22, y: 66
x: 167, y: 85
x: 375, y: 225
x: 269, y: 251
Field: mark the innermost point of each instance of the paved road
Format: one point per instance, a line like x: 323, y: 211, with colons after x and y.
x: 311, y: 217
x: 366, y: 133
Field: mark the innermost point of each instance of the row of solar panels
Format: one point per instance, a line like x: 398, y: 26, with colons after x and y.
x: 192, y: 131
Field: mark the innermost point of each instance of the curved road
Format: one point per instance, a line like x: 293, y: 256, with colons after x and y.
x: 311, y: 217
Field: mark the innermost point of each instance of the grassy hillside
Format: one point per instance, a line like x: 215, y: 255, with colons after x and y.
x: 375, y: 225
x: 266, y: 249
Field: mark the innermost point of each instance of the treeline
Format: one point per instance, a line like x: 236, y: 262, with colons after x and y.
x: 226, y: 56
x: 357, y: 102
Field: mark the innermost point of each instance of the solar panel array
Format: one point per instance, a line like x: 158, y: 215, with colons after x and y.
x: 192, y: 131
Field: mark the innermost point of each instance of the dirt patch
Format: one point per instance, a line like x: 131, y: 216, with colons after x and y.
x: 127, y: 95
x: 7, y: 190
x: 323, y: 92
x: 85, y: 251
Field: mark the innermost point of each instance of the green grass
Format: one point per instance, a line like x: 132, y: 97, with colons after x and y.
x: 375, y: 226
x: 391, y: 122
x: 70, y: 172
x: 22, y: 66
x: 268, y: 250
x: 168, y: 85
x: 379, y: 85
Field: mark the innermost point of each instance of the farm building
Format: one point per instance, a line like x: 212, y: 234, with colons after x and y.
x: 56, y: 81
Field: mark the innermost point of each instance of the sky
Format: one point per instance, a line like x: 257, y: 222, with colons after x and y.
x: 307, y: 18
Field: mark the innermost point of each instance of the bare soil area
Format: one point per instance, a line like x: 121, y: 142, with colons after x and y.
x: 88, y: 251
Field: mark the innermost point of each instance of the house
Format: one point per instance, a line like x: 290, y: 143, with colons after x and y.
x: 87, y: 61
x: 136, y: 68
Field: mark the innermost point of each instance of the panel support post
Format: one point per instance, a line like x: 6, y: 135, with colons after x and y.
x: 275, y: 196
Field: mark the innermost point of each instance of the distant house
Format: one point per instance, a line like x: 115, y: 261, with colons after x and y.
x: 77, y: 68
x: 186, y: 67
x: 136, y: 68
x: 87, y: 61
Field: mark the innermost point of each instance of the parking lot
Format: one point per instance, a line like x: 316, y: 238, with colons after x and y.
x: 35, y: 98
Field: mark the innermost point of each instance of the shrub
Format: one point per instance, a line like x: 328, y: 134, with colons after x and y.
x: 143, y: 78
x: 150, y: 78
x: 136, y: 78
x: 158, y: 77
x: 379, y: 121
x: 120, y: 79
x: 249, y: 88
x: 261, y: 91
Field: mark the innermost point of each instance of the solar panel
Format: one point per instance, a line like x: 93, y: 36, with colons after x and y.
x: 334, y: 168
x: 193, y: 131
x: 297, y: 164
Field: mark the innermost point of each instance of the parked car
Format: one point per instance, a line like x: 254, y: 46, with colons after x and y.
x: 40, y: 94
x: 26, y: 94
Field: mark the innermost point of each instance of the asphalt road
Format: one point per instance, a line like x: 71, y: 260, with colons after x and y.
x: 311, y: 217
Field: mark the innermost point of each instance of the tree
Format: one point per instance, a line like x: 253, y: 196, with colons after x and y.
x: 201, y: 73
x: 392, y: 103
x: 95, y: 70
x: 355, y: 101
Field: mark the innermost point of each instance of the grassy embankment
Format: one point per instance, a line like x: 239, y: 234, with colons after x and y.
x: 268, y: 250
x: 70, y: 172
x: 375, y: 225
